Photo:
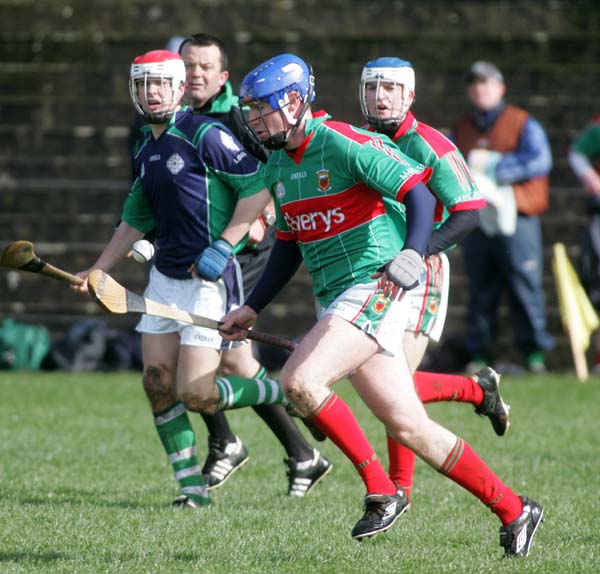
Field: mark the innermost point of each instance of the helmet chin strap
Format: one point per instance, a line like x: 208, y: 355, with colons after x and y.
x: 387, y: 127
x: 158, y: 118
x: 276, y: 141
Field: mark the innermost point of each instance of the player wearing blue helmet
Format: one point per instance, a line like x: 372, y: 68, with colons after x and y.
x: 329, y: 181
x: 273, y: 82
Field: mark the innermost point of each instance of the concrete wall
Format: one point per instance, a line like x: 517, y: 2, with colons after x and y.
x: 65, y: 111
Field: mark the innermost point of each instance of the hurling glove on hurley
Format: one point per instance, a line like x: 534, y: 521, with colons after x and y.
x: 211, y: 263
x: 405, y: 269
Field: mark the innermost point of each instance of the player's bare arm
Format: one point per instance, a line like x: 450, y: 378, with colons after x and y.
x: 117, y: 248
x: 247, y: 211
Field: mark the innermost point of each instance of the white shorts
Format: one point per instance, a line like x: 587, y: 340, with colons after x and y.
x: 376, y: 315
x: 428, y: 303
x: 206, y: 298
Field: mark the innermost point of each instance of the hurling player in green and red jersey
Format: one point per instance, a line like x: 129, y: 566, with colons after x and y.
x: 328, y: 180
x: 387, y: 92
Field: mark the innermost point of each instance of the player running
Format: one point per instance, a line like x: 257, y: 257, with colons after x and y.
x: 328, y: 180
x: 197, y: 186
x: 387, y: 92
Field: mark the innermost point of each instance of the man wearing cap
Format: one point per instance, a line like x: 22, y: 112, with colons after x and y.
x: 508, y: 152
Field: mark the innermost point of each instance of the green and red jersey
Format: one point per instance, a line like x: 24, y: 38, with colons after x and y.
x: 451, y: 182
x: 588, y: 143
x: 329, y: 196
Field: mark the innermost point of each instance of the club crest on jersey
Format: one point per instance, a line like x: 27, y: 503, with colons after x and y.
x: 323, y: 180
x: 175, y: 164
x: 228, y: 141
x: 279, y: 190
x: 380, y: 303
x: 434, y: 305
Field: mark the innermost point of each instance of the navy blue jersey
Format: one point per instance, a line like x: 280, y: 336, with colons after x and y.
x: 187, y: 183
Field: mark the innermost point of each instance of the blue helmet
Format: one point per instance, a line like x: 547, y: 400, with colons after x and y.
x: 275, y: 78
x: 272, y: 82
x: 387, y: 70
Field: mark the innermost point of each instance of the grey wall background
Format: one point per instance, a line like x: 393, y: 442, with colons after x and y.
x: 65, y: 112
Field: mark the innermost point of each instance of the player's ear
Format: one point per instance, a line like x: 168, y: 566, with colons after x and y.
x: 295, y: 102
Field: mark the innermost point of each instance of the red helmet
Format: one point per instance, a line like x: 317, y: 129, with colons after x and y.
x: 162, y: 65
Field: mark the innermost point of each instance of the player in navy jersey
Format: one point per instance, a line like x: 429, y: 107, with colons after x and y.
x: 328, y: 180
x: 200, y: 190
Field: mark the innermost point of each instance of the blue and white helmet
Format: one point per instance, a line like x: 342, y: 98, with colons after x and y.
x: 272, y: 82
x: 387, y: 71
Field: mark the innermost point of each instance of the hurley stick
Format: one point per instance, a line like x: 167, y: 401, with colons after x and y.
x: 117, y: 299
x: 20, y: 255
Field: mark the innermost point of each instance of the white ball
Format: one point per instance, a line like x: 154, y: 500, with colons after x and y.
x: 142, y: 251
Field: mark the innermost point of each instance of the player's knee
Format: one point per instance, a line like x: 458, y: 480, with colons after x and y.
x: 200, y: 401
x: 291, y: 381
x: 159, y: 386
x: 406, y: 430
x: 299, y: 390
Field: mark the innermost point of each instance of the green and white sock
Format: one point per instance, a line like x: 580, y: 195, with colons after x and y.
x: 237, y: 392
x: 178, y: 439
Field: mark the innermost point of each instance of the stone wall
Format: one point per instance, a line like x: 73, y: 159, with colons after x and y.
x: 66, y: 112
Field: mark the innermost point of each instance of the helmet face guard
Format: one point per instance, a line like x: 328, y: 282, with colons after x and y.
x: 391, y: 80
x: 165, y: 68
x: 272, y: 82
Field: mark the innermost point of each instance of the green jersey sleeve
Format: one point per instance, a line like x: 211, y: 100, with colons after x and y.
x: 379, y: 164
x: 588, y: 142
x: 136, y: 210
x: 451, y: 180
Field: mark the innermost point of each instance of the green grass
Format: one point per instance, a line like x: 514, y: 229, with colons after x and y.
x: 85, y: 487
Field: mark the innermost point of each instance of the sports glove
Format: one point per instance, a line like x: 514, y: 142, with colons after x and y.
x: 211, y: 263
x: 405, y: 269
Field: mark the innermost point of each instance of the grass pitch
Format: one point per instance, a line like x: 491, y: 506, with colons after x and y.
x: 85, y: 487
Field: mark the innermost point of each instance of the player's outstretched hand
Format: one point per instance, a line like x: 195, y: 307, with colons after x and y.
x: 236, y: 323
x: 82, y: 287
x: 405, y: 269
x: 211, y: 263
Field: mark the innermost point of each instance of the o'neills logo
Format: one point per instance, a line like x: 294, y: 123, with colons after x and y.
x: 380, y: 304
x: 323, y: 180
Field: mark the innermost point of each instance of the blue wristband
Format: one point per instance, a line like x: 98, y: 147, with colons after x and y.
x: 211, y: 263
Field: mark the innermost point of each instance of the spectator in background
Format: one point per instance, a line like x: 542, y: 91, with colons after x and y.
x: 584, y: 159
x: 508, y: 153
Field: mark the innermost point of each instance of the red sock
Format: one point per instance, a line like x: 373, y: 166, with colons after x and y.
x: 464, y: 467
x: 336, y: 420
x: 402, y: 465
x: 437, y: 387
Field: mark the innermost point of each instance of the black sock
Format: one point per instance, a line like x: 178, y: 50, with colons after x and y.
x: 285, y: 429
x: 218, y: 426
